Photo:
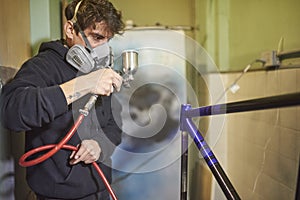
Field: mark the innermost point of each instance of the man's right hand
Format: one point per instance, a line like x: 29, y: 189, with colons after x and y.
x: 100, y: 82
x: 106, y: 81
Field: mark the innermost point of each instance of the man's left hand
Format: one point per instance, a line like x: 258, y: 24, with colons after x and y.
x: 88, y: 152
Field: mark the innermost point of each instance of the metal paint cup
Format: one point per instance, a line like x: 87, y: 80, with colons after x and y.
x: 129, y: 61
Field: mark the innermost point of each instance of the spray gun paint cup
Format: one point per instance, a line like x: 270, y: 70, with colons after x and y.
x: 129, y: 65
x: 130, y: 61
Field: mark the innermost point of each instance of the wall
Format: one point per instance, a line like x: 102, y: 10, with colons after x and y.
x: 164, y: 12
x: 45, y: 22
x: 257, y: 26
x: 236, y: 32
x: 158, y: 12
x: 14, y: 32
x: 263, y: 147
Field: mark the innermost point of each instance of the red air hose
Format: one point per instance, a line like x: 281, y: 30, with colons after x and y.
x: 62, y: 145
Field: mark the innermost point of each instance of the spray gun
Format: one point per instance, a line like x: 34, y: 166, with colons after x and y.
x: 129, y: 68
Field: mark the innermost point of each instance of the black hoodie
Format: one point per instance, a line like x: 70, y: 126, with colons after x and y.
x: 33, y: 102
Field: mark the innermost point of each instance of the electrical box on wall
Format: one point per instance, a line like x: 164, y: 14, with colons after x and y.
x: 270, y: 58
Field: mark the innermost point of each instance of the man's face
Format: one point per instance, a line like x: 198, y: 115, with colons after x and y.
x: 96, y: 36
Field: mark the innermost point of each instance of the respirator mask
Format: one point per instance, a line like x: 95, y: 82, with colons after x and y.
x: 86, y: 59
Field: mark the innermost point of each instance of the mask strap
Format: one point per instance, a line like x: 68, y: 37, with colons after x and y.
x: 74, y: 21
x: 85, y: 39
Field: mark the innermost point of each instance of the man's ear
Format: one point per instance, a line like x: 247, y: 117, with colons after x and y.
x: 69, y: 29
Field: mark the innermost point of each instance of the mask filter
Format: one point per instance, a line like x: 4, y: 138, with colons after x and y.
x: 86, y: 61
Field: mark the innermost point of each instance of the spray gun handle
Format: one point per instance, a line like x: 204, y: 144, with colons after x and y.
x: 88, y: 106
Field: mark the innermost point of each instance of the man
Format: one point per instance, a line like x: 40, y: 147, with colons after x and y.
x: 44, y: 99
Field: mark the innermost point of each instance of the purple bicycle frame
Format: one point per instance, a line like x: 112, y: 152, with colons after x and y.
x: 187, y: 125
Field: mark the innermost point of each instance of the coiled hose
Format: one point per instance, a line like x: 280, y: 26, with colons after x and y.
x: 62, y: 145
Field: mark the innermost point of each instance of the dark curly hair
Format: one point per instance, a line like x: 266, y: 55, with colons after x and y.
x: 92, y: 11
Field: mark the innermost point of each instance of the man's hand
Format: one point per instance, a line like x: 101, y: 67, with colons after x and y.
x: 100, y: 82
x: 106, y: 81
x: 88, y: 152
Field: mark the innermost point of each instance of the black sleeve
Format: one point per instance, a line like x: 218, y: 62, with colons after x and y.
x: 28, y: 102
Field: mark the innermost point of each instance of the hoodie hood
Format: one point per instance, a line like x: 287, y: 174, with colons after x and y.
x: 56, y: 46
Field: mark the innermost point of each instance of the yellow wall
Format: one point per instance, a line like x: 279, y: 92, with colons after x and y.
x: 257, y: 26
x: 14, y: 32
x: 237, y: 32
x: 165, y: 12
